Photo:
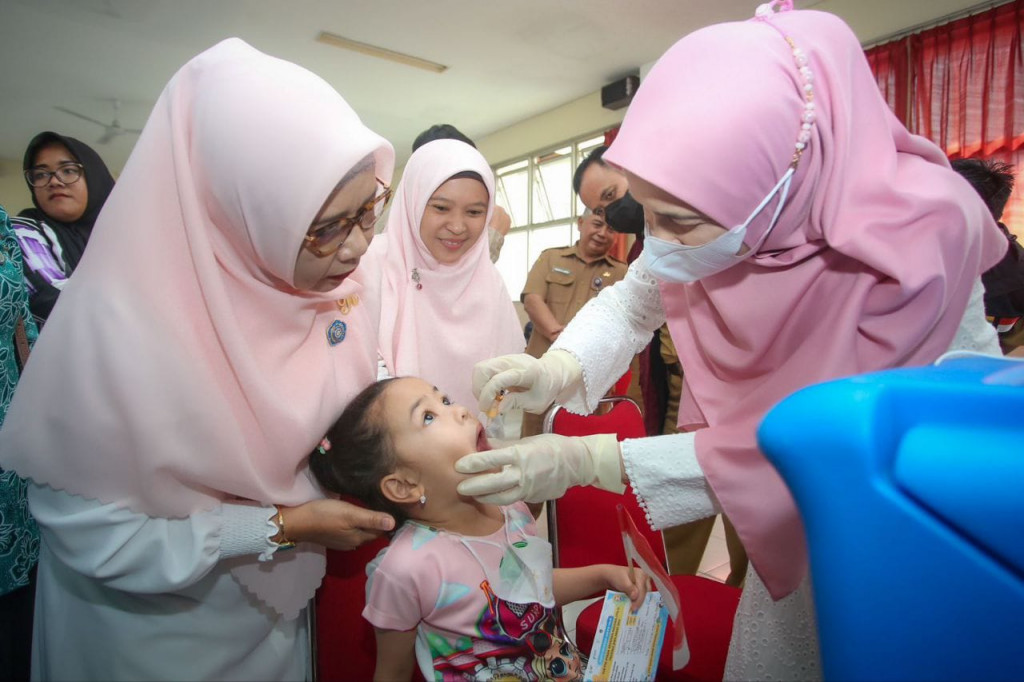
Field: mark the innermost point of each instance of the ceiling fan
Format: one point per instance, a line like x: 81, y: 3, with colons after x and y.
x: 111, y: 130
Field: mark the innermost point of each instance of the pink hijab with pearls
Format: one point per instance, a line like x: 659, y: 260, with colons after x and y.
x: 449, y: 317
x: 870, y: 265
x: 181, y: 368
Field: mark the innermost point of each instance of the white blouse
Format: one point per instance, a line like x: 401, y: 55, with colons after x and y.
x: 157, y: 594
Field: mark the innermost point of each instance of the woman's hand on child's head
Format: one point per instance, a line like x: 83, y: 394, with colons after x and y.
x: 335, y: 524
x: 631, y: 581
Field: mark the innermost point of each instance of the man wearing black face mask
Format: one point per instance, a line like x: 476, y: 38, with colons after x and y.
x: 605, y: 191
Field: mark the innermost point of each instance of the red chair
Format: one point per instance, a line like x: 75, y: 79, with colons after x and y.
x: 621, y: 386
x: 344, y: 646
x: 583, y: 528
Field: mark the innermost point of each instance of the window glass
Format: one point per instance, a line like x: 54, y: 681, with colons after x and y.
x: 513, y: 194
x: 552, y: 186
x: 537, y: 193
x: 513, y: 263
x: 547, y: 237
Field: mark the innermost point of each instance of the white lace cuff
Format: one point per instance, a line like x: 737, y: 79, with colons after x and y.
x: 667, y: 479
x: 608, y: 331
x: 246, y: 528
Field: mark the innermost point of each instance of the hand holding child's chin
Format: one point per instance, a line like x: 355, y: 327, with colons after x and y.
x: 335, y: 524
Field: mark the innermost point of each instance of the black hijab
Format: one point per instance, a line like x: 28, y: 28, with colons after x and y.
x: 72, y: 236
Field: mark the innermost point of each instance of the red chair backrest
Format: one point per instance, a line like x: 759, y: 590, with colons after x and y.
x: 621, y: 386
x: 583, y: 524
x: 346, y: 646
x: 584, y: 529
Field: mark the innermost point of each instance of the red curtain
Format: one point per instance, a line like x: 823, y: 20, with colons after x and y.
x: 966, y: 89
x: 889, y: 64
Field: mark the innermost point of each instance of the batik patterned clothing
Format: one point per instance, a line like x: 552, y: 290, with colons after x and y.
x: 19, y: 537
x: 430, y: 580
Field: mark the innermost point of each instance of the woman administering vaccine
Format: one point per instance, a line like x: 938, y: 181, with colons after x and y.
x: 819, y: 239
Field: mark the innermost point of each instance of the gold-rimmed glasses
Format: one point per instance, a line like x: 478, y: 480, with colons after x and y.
x: 327, y: 240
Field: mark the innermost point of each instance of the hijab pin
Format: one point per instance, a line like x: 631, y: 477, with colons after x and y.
x: 416, y: 278
x: 324, y: 446
x: 336, y: 332
x: 345, y: 305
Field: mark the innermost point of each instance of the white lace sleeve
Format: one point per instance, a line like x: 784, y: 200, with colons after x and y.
x: 975, y: 333
x: 667, y: 479
x: 609, y: 330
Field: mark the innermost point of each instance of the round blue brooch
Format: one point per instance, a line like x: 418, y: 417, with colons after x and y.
x: 336, y: 332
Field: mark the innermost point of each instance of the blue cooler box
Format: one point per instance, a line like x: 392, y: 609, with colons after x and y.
x: 910, y: 484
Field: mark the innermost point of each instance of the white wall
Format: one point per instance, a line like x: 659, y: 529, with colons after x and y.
x: 568, y: 121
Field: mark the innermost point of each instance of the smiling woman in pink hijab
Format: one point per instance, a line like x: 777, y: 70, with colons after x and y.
x: 187, y: 370
x: 445, y: 306
x: 797, y: 233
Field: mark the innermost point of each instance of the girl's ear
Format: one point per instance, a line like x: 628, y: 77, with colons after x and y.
x: 401, y: 486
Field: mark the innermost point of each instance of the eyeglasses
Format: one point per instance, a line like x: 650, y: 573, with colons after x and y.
x: 328, y: 240
x: 69, y: 174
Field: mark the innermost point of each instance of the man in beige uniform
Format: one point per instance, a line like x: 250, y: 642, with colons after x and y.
x: 561, y: 282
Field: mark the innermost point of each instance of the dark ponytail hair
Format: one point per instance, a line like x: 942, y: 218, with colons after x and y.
x: 361, y: 453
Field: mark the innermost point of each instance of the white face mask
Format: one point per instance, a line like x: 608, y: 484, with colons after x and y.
x: 670, y: 261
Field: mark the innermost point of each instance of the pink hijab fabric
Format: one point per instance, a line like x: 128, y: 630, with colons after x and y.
x: 869, y: 267
x: 181, y: 368
x: 463, y: 313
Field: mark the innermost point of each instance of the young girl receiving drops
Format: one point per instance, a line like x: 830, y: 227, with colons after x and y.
x: 465, y: 590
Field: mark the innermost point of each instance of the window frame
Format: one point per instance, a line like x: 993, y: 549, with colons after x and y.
x: 580, y: 145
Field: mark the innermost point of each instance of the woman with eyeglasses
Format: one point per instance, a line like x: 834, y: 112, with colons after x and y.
x: 196, y: 358
x: 69, y: 184
x: 447, y: 305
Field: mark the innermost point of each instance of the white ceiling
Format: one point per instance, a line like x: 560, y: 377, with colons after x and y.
x: 508, y: 61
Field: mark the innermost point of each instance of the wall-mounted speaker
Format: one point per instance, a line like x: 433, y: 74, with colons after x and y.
x: 620, y: 93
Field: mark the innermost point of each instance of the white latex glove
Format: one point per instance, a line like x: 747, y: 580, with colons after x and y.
x: 542, y: 468
x: 532, y: 384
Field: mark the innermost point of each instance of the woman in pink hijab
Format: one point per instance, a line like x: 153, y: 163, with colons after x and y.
x: 797, y: 233
x: 444, y: 304
x: 188, y: 368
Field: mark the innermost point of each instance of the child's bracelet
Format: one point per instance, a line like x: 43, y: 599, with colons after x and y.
x: 282, y: 542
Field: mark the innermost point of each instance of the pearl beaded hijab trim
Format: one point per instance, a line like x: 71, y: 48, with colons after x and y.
x: 764, y: 13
